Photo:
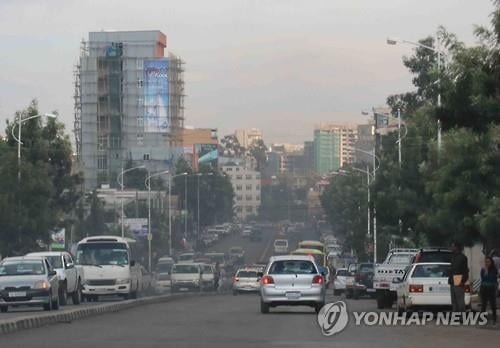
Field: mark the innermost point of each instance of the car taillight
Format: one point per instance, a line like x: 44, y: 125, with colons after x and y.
x: 467, y: 288
x: 236, y: 279
x: 266, y: 280
x: 318, y: 279
x: 416, y: 288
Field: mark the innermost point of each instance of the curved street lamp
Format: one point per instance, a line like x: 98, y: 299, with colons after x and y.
x: 19, y: 121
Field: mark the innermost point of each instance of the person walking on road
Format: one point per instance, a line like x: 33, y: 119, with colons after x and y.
x: 216, y: 276
x: 458, y: 277
x: 489, y: 286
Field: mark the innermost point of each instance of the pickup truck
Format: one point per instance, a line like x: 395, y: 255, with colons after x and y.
x: 70, y: 276
x: 393, y: 267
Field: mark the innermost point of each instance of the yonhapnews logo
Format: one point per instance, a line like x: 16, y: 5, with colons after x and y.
x: 334, y: 317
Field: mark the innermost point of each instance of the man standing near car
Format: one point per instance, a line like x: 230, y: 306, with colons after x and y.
x: 459, y: 275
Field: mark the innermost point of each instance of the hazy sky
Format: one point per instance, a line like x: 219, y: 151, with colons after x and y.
x: 280, y: 65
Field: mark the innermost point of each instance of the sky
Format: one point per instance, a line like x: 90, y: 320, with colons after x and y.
x: 279, y: 65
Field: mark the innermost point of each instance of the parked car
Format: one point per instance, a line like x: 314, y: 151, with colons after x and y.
x: 363, y: 282
x: 425, y: 285
x: 246, y: 280
x: 186, y: 276
x: 342, y: 278
x: 290, y: 280
x: 163, y: 270
x: 70, y: 277
x: 393, y: 267
x: 207, y: 277
x: 281, y: 246
x: 28, y: 281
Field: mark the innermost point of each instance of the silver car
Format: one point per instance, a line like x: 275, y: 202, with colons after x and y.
x: 246, y: 280
x: 28, y: 281
x: 292, y: 280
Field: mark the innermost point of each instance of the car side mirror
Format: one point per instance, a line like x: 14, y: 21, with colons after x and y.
x: 52, y: 273
x: 397, y: 280
x: 132, y: 263
x: 70, y: 265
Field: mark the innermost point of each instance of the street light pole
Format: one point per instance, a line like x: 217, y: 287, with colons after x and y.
x: 19, y: 122
x: 437, y: 50
x: 119, y: 179
x: 170, y: 177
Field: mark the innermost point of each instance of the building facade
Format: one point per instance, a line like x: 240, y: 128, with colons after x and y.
x: 128, y: 104
x: 246, y: 184
x: 246, y: 137
x: 333, y: 147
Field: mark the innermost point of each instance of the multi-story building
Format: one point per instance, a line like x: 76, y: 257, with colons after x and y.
x: 246, y: 184
x: 199, y: 142
x: 128, y: 104
x: 246, y: 137
x: 333, y: 146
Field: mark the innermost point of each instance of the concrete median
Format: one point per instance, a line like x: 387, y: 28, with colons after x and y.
x: 76, y: 313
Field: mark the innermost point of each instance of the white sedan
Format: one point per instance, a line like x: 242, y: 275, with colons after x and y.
x: 425, y: 285
x: 342, y: 278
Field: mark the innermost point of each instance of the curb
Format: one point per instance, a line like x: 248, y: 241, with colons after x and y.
x: 67, y: 316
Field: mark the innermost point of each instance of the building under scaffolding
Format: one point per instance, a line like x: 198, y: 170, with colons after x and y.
x: 129, y: 104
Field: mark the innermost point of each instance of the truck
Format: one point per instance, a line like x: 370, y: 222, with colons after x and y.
x: 393, y: 267
x: 70, y: 277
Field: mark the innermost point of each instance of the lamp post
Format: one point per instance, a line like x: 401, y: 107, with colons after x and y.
x: 119, y: 179
x: 198, y: 204
x: 19, y: 121
x: 371, y: 176
x: 437, y: 50
x: 148, y: 185
x: 170, y: 177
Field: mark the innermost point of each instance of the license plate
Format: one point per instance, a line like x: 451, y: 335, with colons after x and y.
x: 184, y: 289
x: 439, y: 288
x: 17, y: 294
x: 370, y: 290
x: 293, y: 295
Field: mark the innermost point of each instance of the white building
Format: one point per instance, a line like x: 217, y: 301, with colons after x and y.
x: 246, y: 137
x: 247, y: 189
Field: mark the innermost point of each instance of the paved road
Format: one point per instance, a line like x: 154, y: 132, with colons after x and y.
x: 235, y: 321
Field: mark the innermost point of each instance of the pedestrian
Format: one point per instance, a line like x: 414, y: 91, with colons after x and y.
x: 216, y: 276
x: 489, y: 286
x: 458, y: 277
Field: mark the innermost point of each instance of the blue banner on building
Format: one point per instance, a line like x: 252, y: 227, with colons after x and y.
x: 156, y: 96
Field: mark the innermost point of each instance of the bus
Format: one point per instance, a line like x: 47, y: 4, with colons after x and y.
x: 111, y: 267
x: 319, y: 257
x: 316, y: 245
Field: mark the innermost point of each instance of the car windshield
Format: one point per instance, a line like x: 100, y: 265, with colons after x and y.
x: 343, y: 273
x: 434, y: 256
x: 115, y: 254
x: 185, y: 269
x: 431, y: 271
x: 163, y: 267
x: 400, y: 259
x: 186, y: 257
x: 55, y: 261
x: 19, y: 268
x: 247, y: 274
x: 292, y: 267
x: 365, y: 268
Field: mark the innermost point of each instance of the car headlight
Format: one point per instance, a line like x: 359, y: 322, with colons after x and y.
x: 41, y: 284
x: 197, y: 281
x: 123, y: 281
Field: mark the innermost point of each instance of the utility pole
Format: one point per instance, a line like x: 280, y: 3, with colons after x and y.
x: 399, y: 137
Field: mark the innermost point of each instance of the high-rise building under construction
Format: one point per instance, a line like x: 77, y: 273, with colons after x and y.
x: 129, y: 102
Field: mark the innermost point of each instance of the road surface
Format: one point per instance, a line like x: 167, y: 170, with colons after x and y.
x: 235, y: 321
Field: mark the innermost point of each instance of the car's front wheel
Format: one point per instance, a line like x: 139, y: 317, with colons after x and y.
x: 48, y: 306
x: 63, y: 294
x: 76, y: 297
x: 264, y: 307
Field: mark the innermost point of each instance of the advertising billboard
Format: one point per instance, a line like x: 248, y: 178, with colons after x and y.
x: 138, y: 227
x: 58, y: 239
x: 205, y: 154
x: 156, y: 96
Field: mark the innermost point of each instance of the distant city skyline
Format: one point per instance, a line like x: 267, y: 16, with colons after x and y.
x: 280, y: 66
